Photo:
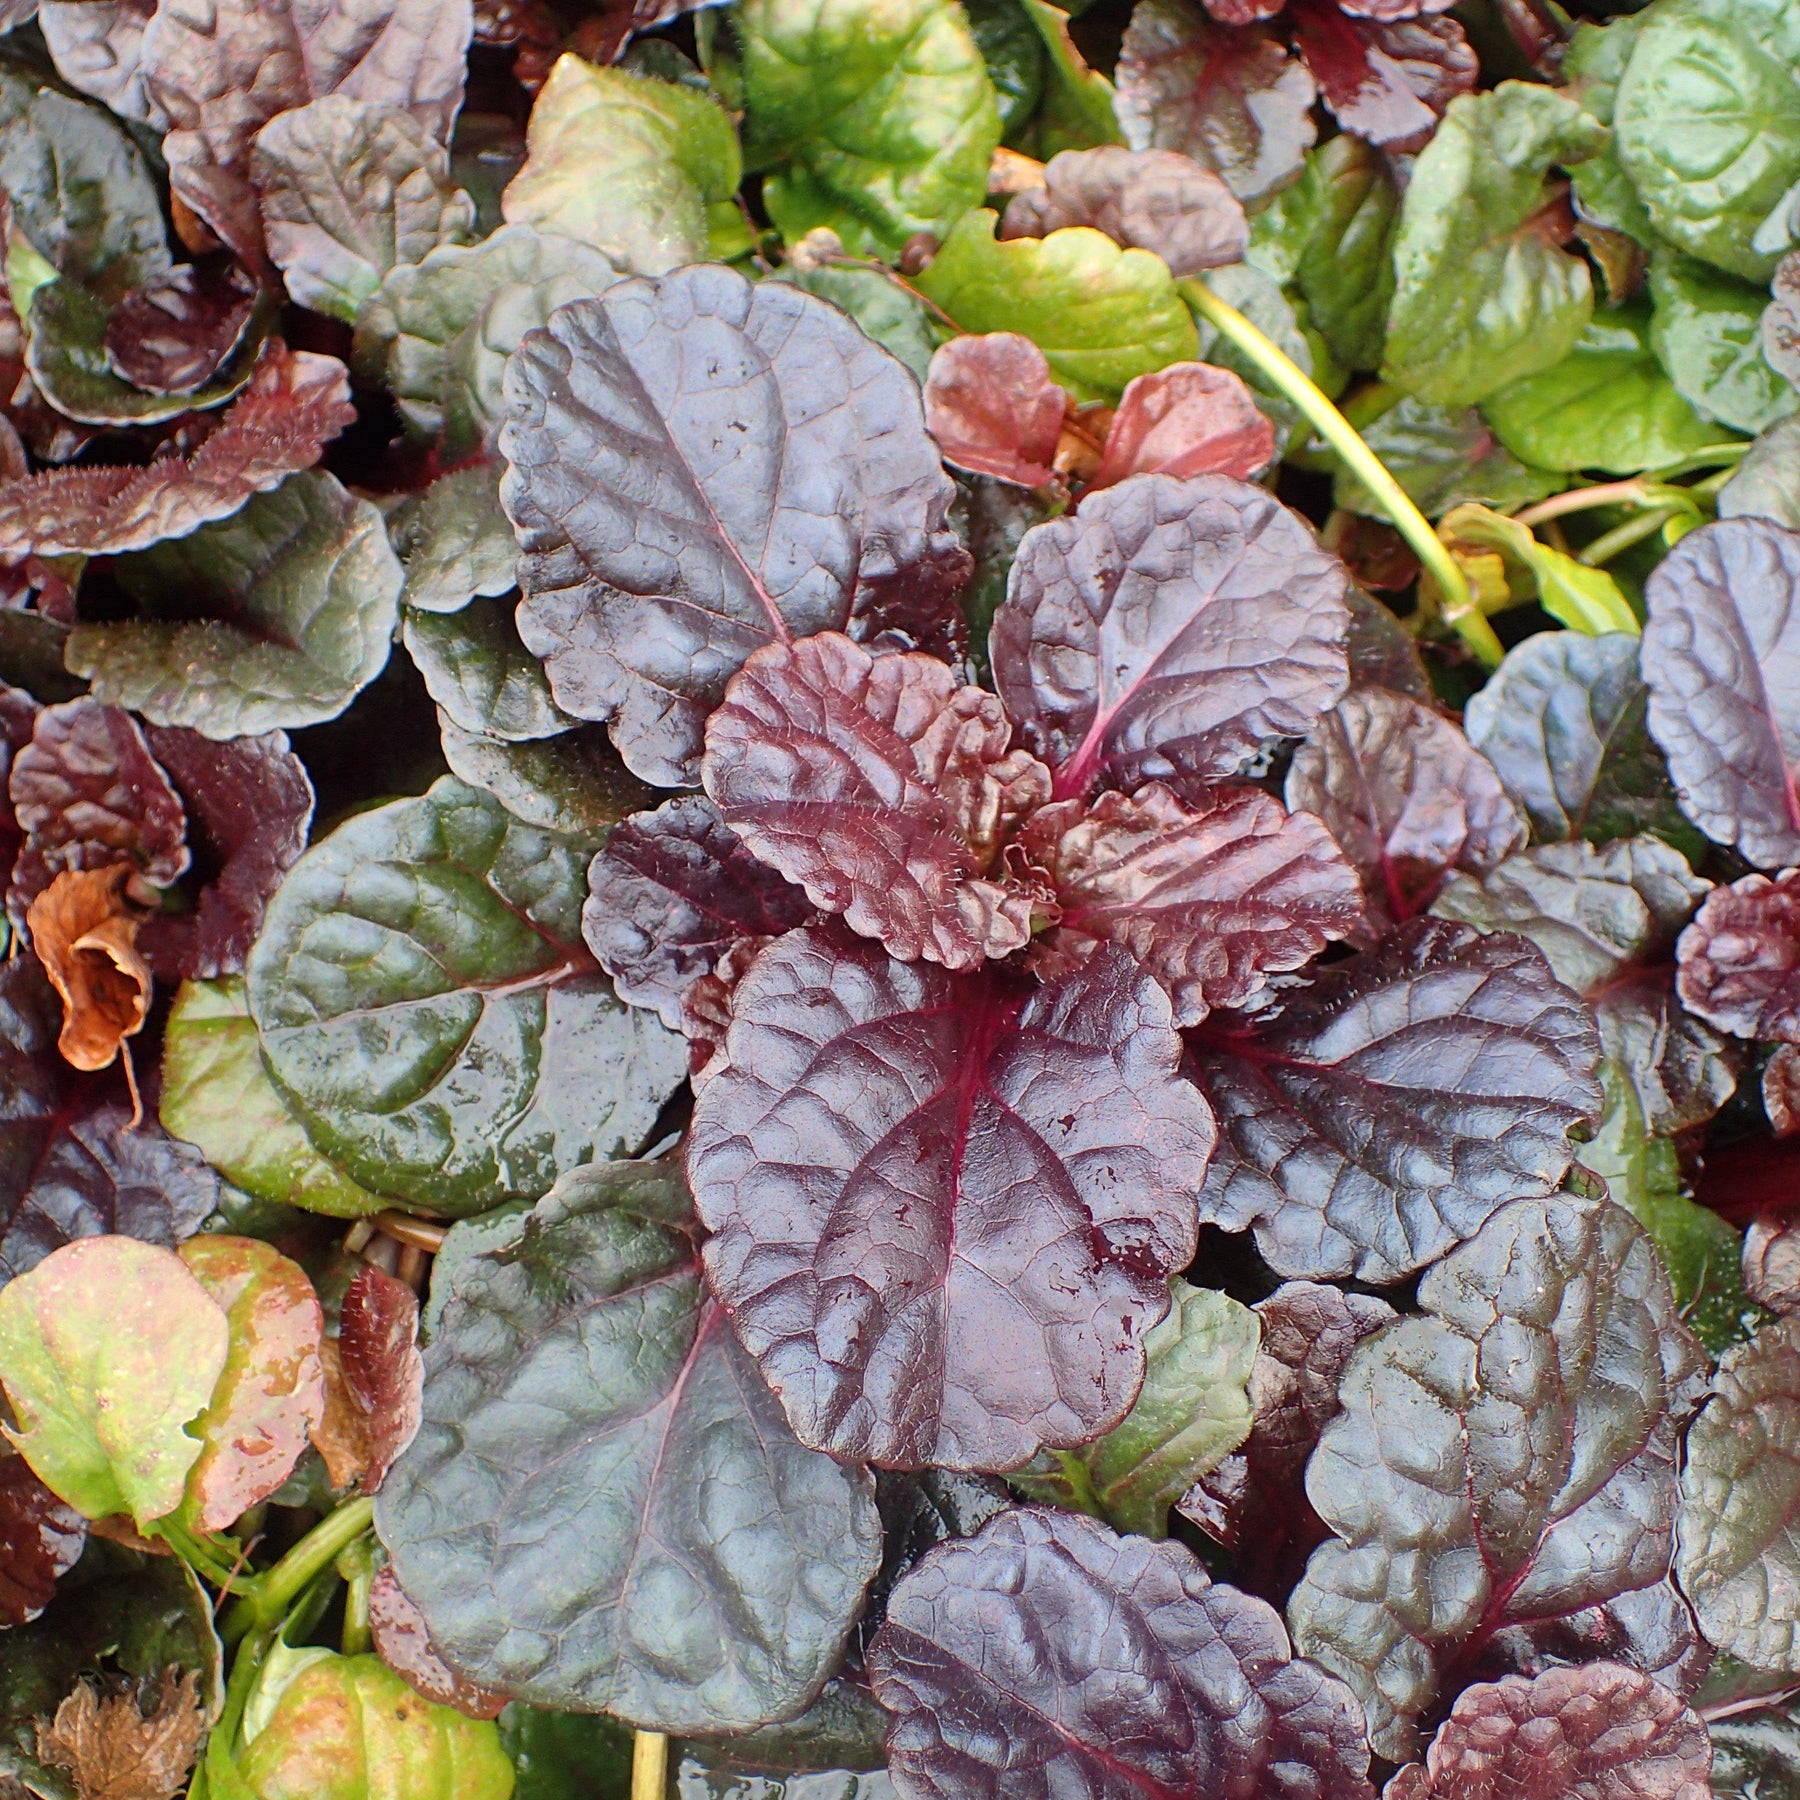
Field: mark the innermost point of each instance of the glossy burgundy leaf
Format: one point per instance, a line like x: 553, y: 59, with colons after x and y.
x: 946, y: 1206
x: 1169, y: 627
x: 1650, y: 1629
x: 404, y: 1644
x: 172, y: 334
x: 1383, y: 653
x: 218, y: 74
x: 1386, y: 79
x: 249, y: 804
x: 1187, y: 419
x: 295, y: 403
x: 881, y: 787
x: 1212, y: 897
x: 1597, y: 1733
x: 1381, y: 1114
x: 1050, y: 1656
x: 378, y: 1351
x: 991, y: 405
x: 41, y: 1539
x: 87, y: 793
x: 1740, y: 959
x: 1407, y: 796
x: 1772, y: 1264
x: 699, y: 467
x: 1232, y: 99
x: 671, y: 892
x: 1508, y: 1455
x: 1721, y: 657
x: 1153, y: 200
x: 706, y: 1008
x: 1260, y: 1507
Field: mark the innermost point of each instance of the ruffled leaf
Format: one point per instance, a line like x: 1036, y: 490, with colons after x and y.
x: 1740, y: 959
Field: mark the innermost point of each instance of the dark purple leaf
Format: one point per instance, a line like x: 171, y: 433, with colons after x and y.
x: 378, y: 1352
x: 672, y: 891
x: 946, y: 1206
x: 250, y: 805
x: 1212, y: 897
x: 1722, y: 659
x: 397, y: 1628
x: 87, y: 793
x: 1187, y: 419
x: 1049, y: 1656
x: 171, y: 335
x: 1408, y: 798
x: 1383, y: 653
x: 883, y: 788
x: 1781, y: 320
x: 1386, y: 79
x: 991, y: 405
x: 1234, y: 100
x: 1650, y: 1629
x: 1507, y: 1456
x: 1597, y: 1733
x: 1772, y: 1264
x: 41, y: 1538
x: 699, y: 467
x: 1170, y: 627
x: 1260, y: 1507
x: 1151, y: 200
x: 294, y: 404
x: 1377, y: 1117
x: 1740, y: 959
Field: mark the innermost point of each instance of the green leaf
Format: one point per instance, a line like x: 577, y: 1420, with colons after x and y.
x: 684, y: 1561
x: 217, y: 1095
x: 1194, y: 1410
x: 1606, y: 405
x: 1442, y: 456
x: 351, y: 190
x: 887, y: 313
x: 625, y: 163
x: 437, y: 333
x: 1767, y: 481
x: 1076, y: 112
x: 1346, y: 267
x: 480, y: 674
x: 1592, y: 67
x: 877, y: 124
x: 428, y: 1009
x: 1481, y: 297
x: 348, y: 1728
x: 1014, y: 54
x: 1265, y: 303
x: 1707, y: 334
x: 1707, y: 123
x: 274, y: 618
x: 1581, y: 598
x: 573, y: 785
x: 1100, y: 314
x: 455, y: 540
x: 566, y: 1756
x: 107, y: 1348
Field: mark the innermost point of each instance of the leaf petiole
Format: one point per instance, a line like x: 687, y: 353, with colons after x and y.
x: 265, y: 1598
x: 1460, y: 609
x: 649, y: 1765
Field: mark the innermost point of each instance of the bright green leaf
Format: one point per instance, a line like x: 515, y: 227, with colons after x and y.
x: 1345, y: 268
x: 1442, y: 456
x: 1102, y: 315
x: 1076, y: 112
x: 1014, y: 54
x: 107, y: 1349
x: 1707, y: 334
x: 1481, y: 296
x: 1592, y: 66
x: 1570, y: 592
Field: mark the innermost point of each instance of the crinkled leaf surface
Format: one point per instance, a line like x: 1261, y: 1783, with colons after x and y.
x: 883, y: 788
x: 1381, y: 1114
x: 97, y: 48
x: 427, y: 1008
x: 378, y: 1355
x: 1192, y: 1413
x: 1212, y: 896
x: 1170, y: 626
x: 479, y: 672
x: 456, y: 541
x: 173, y: 333
x: 876, y: 123
x: 604, y: 1507
x: 351, y: 189
x: 1100, y: 314
x: 1740, y: 959
x: 946, y: 1206
x: 573, y: 785
x: 1707, y: 331
x: 107, y: 1348
x: 1771, y: 1264
x: 993, y: 409
x: 1722, y: 660
x: 700, y: 467
x: 1542, y: 1387
x: 1408, y: 798
x: 274, y: 618
x: 1480, y: 296
x: 1386, y: 80
x: 1048, y: 1655
x: 1764, y: 483
x: 1739, y: 1561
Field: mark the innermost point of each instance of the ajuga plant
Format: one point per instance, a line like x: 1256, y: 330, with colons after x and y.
x: 901, y: 900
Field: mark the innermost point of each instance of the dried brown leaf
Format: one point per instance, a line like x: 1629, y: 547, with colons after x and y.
x: 115, y: 1752
x: 85, y: 934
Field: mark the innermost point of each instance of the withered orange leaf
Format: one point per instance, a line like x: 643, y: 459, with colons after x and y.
x: 85, y: 933
x: 115, y: 1752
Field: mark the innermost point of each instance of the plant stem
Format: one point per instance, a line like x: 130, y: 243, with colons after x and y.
x: 267, y: 1596
x: 1633, y: 531
x: 649, y: 1765
x: 1459, y: 608
x: 1574, y: 500
x: 196, y: 1555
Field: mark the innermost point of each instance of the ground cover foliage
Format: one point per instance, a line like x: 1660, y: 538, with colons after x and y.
x: 900, y: 899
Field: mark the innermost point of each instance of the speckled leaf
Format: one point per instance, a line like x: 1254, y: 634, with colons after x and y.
x: 378, y: 1357
x: 455, y: 540
x: 481, y: 675
x: 1740, y: 959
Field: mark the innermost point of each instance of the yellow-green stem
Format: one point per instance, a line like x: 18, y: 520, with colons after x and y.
x: 267, y: 1596
x: 1459, y: 607
x: 649, y: 1765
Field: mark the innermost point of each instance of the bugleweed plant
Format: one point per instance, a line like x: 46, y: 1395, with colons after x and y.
x: 901, y: 899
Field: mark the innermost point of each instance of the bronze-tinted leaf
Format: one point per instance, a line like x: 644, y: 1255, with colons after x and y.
x: 41, y: 1538
x: 1772, y: 1264
x: 1386, y: 79
x: 991, y: 405
x: 378, y: 1350
x: 1187, y: 419
x: 174, y: 333
x: 115, y: 1752
x: 404, y: 1644
x: 85, y: 934
x: 1740, y: 959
